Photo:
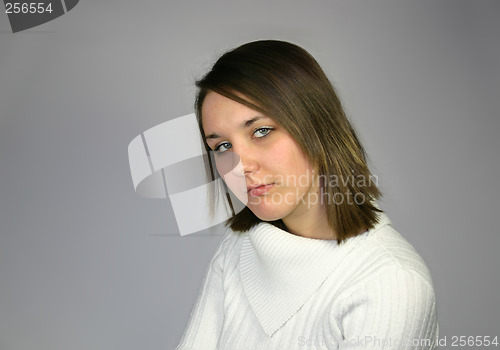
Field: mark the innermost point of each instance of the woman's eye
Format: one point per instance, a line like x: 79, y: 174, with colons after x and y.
x: 222, y: 147
x: 261, y: 132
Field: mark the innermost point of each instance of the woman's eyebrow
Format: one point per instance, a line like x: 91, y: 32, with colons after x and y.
x: 212, y: 136
x: 249, y: 122
x: 245, y: 124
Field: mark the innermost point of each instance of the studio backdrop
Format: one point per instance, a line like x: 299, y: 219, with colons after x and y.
x: 88, y: 262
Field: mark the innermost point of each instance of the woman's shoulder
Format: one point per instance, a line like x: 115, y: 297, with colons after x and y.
x: 228, y: 240
x: 384, y: 248
x: 228, y: 245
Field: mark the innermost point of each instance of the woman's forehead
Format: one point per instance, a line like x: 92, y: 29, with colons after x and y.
x: 221, y: 112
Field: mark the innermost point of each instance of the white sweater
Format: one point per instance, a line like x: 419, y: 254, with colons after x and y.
x: 269, y: 289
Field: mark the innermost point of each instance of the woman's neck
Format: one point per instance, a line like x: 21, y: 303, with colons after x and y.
x: 310, y: 223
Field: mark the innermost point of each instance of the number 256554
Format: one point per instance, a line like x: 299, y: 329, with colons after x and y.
x: 24, y: 7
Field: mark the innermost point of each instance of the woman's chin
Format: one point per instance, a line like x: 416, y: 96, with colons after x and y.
x: 266, y: 213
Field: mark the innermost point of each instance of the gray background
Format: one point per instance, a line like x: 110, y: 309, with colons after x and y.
x: 87, y: 264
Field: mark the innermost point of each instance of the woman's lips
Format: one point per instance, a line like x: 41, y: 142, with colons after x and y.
x: 260, y: 190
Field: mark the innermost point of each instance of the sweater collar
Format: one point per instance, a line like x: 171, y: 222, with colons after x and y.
x: 281, y: 271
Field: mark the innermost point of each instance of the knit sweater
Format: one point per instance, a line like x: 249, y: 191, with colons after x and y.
x: 269, y: 289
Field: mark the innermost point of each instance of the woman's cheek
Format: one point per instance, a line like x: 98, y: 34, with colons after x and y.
x: 280, y: 150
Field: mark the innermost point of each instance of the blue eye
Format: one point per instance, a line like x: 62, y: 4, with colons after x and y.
x: 222, y: 147
x: 258, y: 133
x: 264, y: 131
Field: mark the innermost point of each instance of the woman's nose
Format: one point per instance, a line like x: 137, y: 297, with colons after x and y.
x: 249, y: 163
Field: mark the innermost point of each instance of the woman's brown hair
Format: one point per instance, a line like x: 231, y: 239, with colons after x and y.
x: 285, y: 83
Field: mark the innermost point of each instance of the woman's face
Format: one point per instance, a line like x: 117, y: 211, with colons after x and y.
x: 278, y: 175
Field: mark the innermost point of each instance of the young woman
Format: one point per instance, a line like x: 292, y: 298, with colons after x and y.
x: 311, y: 261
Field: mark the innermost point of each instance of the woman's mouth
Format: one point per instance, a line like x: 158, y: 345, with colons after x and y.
x: 259, y: 190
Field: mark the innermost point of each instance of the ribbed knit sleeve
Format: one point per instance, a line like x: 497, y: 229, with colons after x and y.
x: 393, y: 310
x: 207, y: 316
